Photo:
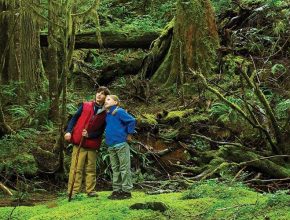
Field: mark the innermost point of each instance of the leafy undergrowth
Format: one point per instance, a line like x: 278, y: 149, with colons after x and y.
x: 204, y: 200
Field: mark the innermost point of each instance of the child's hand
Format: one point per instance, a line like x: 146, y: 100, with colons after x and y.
x: 129, y: 138
x: 85, y: 133
x: 67, y: 136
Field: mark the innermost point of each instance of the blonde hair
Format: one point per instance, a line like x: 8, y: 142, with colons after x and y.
x: 115, y: 98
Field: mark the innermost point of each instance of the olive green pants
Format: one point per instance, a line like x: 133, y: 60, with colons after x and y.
x: 86, y: 167
x: 121, y: 166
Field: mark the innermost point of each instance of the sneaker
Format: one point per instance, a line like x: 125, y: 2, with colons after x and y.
x: 125, y: 195
x: 92, y: 194
x: 115, y: 195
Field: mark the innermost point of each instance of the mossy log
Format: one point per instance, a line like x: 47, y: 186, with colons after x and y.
x: 214, y: 162
x: 244, y: 156
x: 107, y: 74
x: 110, y: 40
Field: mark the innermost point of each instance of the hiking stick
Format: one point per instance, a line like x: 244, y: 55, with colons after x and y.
x: 75, y: 168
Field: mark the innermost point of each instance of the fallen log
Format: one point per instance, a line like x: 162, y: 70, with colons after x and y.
x: 108, y: 73
x: 110, y: 40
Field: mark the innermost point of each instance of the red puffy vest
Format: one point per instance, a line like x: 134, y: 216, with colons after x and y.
x: 92, y: 123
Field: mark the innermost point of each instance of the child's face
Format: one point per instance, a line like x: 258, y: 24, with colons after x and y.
x: 100, y: 97
x: 109, y: 102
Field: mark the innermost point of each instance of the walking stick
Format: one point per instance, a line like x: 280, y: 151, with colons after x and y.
x: 75, y: 168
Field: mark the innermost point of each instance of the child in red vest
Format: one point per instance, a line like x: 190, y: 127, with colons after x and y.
x: 89, y: 121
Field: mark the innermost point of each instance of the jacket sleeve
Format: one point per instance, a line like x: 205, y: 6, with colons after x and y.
x: 128, y: 120
x: 74, y: 119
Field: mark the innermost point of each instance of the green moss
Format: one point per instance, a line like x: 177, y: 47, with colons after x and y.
x: 149, y: 119
x: 178, y: 114
x: 211, y: 188
x: 198, y: 118
x: 232, y: 63
x: 204, y: 200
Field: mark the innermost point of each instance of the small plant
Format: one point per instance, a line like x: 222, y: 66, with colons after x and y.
x: 282, y: 108
x: 278, y: 68
x: 223, y: 113
x: 280, y: 198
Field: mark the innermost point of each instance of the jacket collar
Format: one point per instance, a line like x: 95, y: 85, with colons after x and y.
x: 101, y: 108
x: 111, y: 109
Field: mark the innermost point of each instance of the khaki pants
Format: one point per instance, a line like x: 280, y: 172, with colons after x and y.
x: 86, y: 167
x: 121, y: 166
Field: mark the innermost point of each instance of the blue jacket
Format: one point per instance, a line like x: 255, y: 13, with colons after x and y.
x: 118, y: 126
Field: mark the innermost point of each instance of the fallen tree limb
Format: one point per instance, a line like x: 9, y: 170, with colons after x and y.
x: 108, y: 73
x: 268, y: 180
x: 5, y: 189
x: 110, y: 40
x: 262, y: 158
x: 217, y: 142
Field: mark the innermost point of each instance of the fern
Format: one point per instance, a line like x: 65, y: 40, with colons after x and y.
x: 278, y: 68
x: 282, y: 108
x: 223, y: 112
x: 18, y: 112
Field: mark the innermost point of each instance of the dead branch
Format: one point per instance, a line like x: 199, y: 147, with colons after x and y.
x: 262, y: 158
x: 217, y: 142
x: 5, y: 189
x: 260, y: 95
x: 267, y: 180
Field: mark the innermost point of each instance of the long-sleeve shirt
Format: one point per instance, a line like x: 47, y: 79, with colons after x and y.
x: 75, y: 118
x: 118, y: 126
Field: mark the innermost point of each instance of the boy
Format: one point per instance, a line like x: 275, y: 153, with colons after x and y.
x: 119, y: 127
x: 89, y: 121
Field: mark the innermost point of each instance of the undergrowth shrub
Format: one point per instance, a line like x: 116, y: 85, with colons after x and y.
x: 15, y: 153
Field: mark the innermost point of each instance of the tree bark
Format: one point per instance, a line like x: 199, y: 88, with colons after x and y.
x: 52, y: 63
x: 3, y: 45
x: 193, y: 45
x: 4, y: 127
x: 21, y: 60
x: 110, y: 40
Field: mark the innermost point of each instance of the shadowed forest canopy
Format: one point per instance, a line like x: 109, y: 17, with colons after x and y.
x: 206, y: 80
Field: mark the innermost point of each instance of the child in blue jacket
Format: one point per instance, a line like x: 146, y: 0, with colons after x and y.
x: 119, y: 127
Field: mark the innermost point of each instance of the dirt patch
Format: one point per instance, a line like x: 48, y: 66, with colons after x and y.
x: 32, y: 200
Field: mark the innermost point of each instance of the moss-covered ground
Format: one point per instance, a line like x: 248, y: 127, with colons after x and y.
x: 204, y: 200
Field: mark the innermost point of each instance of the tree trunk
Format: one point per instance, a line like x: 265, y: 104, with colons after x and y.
x: 4, y: 127
x: 52, y: 64
x: 193, y: 45
x: 4, y: 44
x: 21, y: 60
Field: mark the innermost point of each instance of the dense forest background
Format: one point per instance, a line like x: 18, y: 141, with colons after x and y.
x: 208, y: 82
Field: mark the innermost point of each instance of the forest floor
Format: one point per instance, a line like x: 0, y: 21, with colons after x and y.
x: 204, y: 200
